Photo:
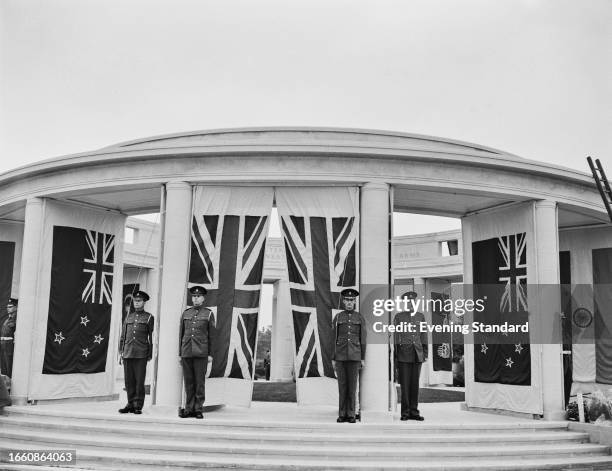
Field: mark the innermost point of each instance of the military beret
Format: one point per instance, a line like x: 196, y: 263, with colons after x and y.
x: 349, y: 293
x: 11, y: 301
x: 141, y: 294
x: 198, y: 290
x: 410, y: 295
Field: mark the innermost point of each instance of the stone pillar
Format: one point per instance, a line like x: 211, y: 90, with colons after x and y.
x: 27, y: 310
x: 374, y: 248
x: 282, y: 335
x: 173, y: 287
x: 547, y: 270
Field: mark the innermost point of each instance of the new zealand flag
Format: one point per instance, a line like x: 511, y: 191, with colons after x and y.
x: 500, y: 274
x: 80, y: 301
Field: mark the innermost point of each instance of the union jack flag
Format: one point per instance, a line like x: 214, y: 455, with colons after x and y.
x: 513, y: 272
x: 227, y: 255
x: 98, y: 266
x: 321, y: 261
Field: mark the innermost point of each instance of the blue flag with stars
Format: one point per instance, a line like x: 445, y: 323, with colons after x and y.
x: 500, y: 276
x: 80, y: 301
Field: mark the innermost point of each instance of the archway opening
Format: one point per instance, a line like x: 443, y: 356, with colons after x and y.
x: 274, y: 378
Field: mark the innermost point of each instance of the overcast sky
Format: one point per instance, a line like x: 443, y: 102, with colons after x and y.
x: 531, y: 77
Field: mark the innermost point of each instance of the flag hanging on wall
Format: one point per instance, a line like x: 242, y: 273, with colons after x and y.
x: 320, y: 230
x: 7, y: 259
x: 228, y: 241
x: 321, y: 262
x: 80, y: 301
x: 441, y: 342
x: 227, y: 254
x: 602, y: 297
x: 501, y: 261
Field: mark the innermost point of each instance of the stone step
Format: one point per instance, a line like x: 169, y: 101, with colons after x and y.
x: 259, y: 426
x: 112, y: 442
x: 115, y: 460
x: 349, y: 434
x: 363, y: 451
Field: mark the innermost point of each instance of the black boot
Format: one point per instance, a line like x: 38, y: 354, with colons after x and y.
x: 124, y: 410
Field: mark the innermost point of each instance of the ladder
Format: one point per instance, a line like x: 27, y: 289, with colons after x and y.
x: 603, y: 185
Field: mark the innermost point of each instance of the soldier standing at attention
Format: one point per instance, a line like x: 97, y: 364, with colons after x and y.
x: 7, y: 338
x: 136, y: 349
x: 267, y: 365
x: 194, y: 350
x: 410, y: 349
x: 349, y: 353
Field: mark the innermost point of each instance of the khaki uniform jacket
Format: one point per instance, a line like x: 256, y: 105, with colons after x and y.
x: 195, y: 332
x: 8, y: 327
x: 350, y: 336
x: 137, y: 335
x: 410, y: 347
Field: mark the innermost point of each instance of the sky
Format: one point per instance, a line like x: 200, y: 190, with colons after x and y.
x: 530, y: 77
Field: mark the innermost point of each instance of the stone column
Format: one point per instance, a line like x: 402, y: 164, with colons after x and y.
x: 27, y: 310
x: 374, y: 249
x: 549, y: 307
x: 282, y: 335
x: 173, y: 287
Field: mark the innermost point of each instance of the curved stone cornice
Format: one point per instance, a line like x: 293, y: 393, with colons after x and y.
x: 299, y: 141
x: 307, y: 156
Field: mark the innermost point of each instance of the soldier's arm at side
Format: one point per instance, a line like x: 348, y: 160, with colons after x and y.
x: 122, y: 338
x: 211, y: 323
x: 181, y: 331
x: 150, y: 327
x: 424, y: 340
x: 364, y: 337
x: 335, y: 330
x: 396, y: 335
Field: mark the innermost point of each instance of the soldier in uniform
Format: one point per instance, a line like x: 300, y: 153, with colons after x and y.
x: 7, y: 338
x: 410, y: 350
x: 136, y: 349
x: 267, y: 365
x: 349, y: 353
x: 194, y: 350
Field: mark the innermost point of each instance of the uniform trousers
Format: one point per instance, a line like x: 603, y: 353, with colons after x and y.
x: 135, y: 370
x: 409, y: 381
x: 6, y: 357
x: 347, y: 372
x: 194, y: 375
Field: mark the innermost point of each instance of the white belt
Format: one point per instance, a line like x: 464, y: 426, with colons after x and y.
x: 6, y: 338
